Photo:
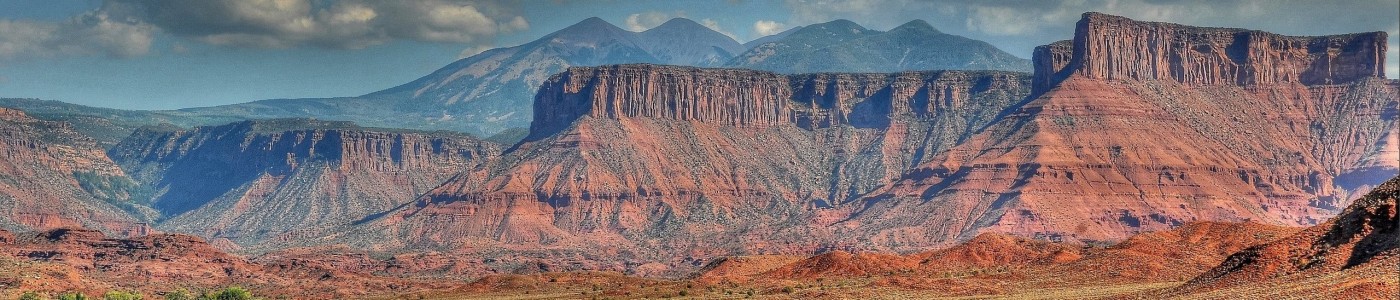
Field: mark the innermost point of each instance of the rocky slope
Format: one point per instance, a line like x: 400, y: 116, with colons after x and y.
x: 1356, y: 254
x: 1223, y: 130
x: 992, y: 265
x: 51, y: 177
x: 844, y: 46
x: 490, y: 92
x: 664, y: 162
x: 285, y: 179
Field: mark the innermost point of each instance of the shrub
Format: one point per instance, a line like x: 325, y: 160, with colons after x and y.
x: 72, y: 296
x: 179, y: 294
x: 31, y: 296
x: 232, y: 293
x: 787, y: 290
x: 120, y: 295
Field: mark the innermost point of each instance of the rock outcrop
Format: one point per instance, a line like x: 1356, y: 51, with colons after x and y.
x: 285, y: 179
x: 52, y: 177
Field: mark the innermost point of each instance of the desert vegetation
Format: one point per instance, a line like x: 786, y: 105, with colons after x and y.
x: 228, y: 293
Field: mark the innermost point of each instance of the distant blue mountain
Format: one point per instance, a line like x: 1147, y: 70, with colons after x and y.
x: 491, y: 92
x: 844, y: 46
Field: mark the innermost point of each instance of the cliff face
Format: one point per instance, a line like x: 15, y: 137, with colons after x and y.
x: 660, y: 160
x: 52, y: 177
x: 1112, y: 47
x: 757, y: 99
x: 279, y: 179
x: 1145, y: 126
x: 1051, y: 64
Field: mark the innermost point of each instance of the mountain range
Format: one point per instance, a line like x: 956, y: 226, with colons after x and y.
x: 491, y: 93
x: 677, y: 152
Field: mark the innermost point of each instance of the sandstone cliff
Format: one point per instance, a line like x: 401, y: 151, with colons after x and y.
x: 1112, y: 47
x: 51, y: 177
x: 1138, y: 129
x: 285, y: 179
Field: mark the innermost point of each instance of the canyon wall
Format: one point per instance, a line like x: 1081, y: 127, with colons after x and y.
x: 278, y: 179
x: 757, y: 99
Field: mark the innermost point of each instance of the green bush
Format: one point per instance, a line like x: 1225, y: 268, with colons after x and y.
x: 232, y: 293
x: 32, y: 296
x: 120, y: 295
x: 72, y: 296
x: 179, y: 294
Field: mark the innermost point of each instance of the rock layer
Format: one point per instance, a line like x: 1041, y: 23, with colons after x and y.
x: 284, y: 179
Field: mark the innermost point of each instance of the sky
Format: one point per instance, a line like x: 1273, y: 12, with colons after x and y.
x: 168, y: 54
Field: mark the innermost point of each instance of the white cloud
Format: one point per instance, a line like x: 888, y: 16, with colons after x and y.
x: 92, y: 33
x: 767, y: 27
x: 339, y: 24
x: 647, y: 20
x: 999, y: 21
x: 714, y: 25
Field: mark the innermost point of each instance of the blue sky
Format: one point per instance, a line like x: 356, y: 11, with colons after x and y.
x: 164, y: 54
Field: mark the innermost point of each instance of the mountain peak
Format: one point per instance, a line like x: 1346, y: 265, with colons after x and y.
x: 916, y: 25
x: 678, y: 24
x: 592, y: 24
x: 839, y: 24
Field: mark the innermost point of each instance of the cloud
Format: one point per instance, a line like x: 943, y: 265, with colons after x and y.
x: 767, y: 27
x: 91, y: 33
x: 647, y: 20
x: 714, y: 25
x: 345, y: 24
